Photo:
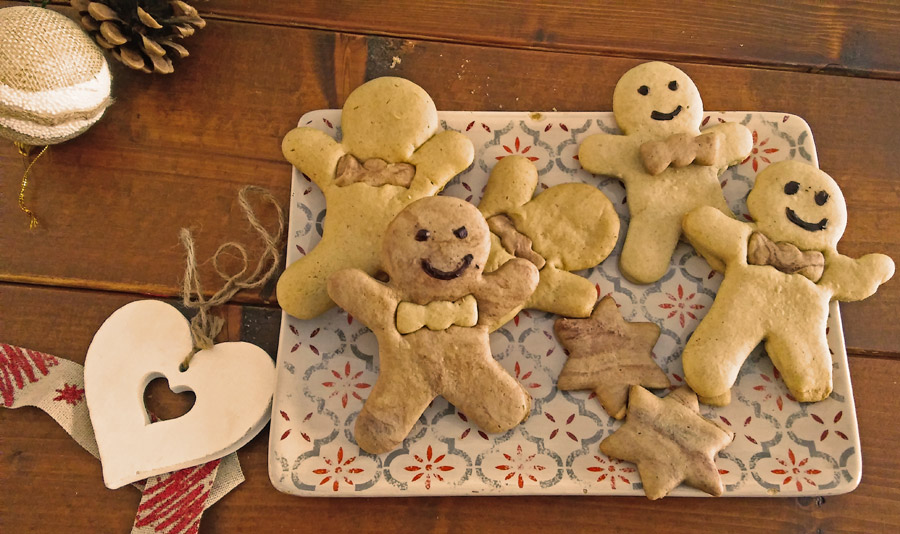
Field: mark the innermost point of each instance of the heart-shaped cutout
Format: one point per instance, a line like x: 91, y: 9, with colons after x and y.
x: 163, y: 404
x: 144, y: 340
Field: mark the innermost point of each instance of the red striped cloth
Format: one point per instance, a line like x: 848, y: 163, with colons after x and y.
x: 172, y: 503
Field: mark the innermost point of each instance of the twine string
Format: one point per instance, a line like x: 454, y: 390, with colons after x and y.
x: 25, y: 152
x: 205, y: 326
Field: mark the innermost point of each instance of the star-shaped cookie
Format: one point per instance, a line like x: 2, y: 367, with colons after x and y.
x: 608, y: 354
x: 669, y: 441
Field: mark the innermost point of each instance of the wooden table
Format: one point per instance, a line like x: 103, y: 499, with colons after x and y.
x: 173, y: 151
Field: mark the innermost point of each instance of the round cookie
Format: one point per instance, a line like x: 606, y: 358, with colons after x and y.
x: 781, y: 272
x: 432, y: 322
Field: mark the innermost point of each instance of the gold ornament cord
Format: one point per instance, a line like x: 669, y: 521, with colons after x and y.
x: 205, y: 327
x: 25, y: 152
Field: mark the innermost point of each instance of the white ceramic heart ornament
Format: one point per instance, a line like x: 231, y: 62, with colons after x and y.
x: 233, y: 384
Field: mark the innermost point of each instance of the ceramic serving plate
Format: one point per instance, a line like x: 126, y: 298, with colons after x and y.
x: 327, y: 366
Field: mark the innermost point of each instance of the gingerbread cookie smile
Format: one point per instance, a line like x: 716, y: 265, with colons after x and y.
x: 659, y: 116
x: 447, y: 275
x: 812, y: 227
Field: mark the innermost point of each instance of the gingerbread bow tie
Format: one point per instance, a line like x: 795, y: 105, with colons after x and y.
x: 785, y: 257
x: 680, y: 150
x: 374, y: 172
x: 437, y: 315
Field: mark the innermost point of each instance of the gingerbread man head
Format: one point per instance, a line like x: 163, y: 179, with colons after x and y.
x: 657, y: 99
x: 388, y: 118
x: 436, y: 249
x: 797, y: 203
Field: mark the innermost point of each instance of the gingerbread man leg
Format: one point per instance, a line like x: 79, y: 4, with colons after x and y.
x: 392, y: 409
x: 563, y: 293
x: 480, y: 388
x: 718, y: 348
x: 649, y: 245
x: 804, y: 361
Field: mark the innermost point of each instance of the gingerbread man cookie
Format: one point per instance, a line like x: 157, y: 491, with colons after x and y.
x: 567, y: 227
x: 432, y: 322
x: 390, y: 155
x: 781, y: 272
x: 668, y: 167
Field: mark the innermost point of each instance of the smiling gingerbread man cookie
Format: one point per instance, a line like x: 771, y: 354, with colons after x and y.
x: 432, y: 322
x: 390, y: 155
x: 781, y: 272
x: 667, y: 165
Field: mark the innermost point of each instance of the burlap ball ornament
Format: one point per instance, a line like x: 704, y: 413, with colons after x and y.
x: 54, y: 81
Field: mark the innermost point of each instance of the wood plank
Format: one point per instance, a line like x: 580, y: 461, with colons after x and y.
x: 858, y: 38
x: 51, y: 485
x: 173, y: 151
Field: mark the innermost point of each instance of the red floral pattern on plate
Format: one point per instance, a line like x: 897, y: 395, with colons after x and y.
x: 796, y: 470
x: 338, y: 470
x: 613, y: 471
x: 520, y: 149
x: 346, y: 384
x: 520, y: 467
x: 429, y: 468
x: 760, y: 152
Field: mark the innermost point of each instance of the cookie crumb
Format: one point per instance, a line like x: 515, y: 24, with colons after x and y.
x: 395, y: 61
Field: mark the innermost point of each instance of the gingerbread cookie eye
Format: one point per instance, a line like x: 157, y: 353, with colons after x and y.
x: 791, y: 188
x: 423, y: 235
x: 462, y: 233
x: 673, y: 85
x: 644, y: 90
x: 821, y: 198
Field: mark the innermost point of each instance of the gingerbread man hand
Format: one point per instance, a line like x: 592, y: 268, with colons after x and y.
x: 780, y: 296
x: 432, y: 322
x: 390, y: 155
x: 568, y: 227
x: 667, y: 166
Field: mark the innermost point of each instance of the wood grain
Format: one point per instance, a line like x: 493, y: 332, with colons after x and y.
x: 174, y: 151
x: 858, y: 38
x: 44, y: 469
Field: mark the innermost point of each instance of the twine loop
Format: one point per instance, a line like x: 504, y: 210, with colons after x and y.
x: 204, y: 326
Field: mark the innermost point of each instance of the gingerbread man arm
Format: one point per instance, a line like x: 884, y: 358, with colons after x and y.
x: 504, y: 290
x: 365, y: 298
x: 855, y: 279
x: 737, y: 142
x: 438, y: 160
x: 511, y: 185
x: 563, y: 293
x: 716, y: 236
x: 314, y: 153
x: 611, y: 155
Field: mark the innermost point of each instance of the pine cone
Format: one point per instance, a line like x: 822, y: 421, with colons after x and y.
x: 140, y: 33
